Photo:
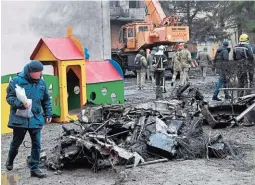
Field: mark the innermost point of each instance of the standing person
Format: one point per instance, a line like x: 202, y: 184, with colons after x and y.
x: 204, y: 59
x: 150, y: 63
x: 142, y: 66
x: 177, y: 65
x: 160, y: 62
x: 186, y: 64
x: 35, y: 88
x: 244, y: 55
x: 222, y: 55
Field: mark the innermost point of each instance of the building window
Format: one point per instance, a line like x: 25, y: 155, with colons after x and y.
x: 143, y: 28
x: 130, y: 32
x: 134, y: 4
x: 114, y: 4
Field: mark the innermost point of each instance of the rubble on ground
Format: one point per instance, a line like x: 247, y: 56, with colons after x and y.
x: 110, y: 135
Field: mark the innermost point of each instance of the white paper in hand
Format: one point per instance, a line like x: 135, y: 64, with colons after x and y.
x: 21, y: 94
x: 25, y: 113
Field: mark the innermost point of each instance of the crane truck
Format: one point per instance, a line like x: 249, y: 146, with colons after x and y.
x: 157, y: 29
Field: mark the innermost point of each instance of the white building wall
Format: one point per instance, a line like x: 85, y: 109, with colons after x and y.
x: 25, y: 22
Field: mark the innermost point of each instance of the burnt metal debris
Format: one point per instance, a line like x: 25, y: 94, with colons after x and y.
x: 111, y: 135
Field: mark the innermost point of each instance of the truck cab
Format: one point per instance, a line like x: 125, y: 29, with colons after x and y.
x: 133, y: 36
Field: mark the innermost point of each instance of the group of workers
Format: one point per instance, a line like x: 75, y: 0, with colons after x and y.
x: 243, y: 54
x: 155, y: 63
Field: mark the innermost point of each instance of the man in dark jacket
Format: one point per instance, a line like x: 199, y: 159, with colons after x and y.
x: 222, y: 55
x: 35, y: 88
x: 244, y: 55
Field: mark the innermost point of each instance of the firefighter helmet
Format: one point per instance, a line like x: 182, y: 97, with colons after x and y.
x: 243, y: 38
x: 162, y: 48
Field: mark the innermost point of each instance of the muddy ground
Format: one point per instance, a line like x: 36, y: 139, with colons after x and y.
x: 228, y: 171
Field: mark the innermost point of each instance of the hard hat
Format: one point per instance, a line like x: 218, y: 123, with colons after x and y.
x: 243, y: 38
x: 162, y: 48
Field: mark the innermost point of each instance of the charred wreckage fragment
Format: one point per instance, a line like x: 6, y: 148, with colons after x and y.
x: 110, y: 135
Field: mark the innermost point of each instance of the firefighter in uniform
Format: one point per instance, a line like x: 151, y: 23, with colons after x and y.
x: 244, y: 55
x: 159, y: 63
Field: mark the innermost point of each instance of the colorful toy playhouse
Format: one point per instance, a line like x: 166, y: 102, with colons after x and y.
x: 75, y: 81
x: 104, y: 83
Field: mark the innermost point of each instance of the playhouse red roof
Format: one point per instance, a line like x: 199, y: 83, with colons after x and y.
x: 61, y: 48
x: 103, y: 71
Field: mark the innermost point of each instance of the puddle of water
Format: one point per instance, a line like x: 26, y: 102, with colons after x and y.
x: 9, y: 179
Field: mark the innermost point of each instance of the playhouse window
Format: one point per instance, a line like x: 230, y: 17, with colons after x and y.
x: 93, y: 96
x: 76, y: 90
x: 50, y: 91
x: 104, y: 91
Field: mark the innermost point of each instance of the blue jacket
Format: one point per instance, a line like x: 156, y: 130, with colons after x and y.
x: 222, y: 54
x: 35, y: 90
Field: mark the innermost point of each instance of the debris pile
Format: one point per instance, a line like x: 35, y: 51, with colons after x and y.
x: 106, y: 136
x: 236, y: 113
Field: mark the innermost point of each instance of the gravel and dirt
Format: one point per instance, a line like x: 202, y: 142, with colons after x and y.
x: 227, y: 171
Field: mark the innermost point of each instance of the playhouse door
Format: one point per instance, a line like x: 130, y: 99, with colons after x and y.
x: 73, y: 90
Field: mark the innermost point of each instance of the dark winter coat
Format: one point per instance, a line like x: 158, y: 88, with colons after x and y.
x: 243, y: 51
x: 222, y: 54
x: 35, y: 90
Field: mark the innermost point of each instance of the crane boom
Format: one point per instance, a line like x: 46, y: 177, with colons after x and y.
x: 155, y: 11
x: 157, y: 29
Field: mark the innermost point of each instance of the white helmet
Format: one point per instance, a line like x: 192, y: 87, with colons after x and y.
x: 162, y: 48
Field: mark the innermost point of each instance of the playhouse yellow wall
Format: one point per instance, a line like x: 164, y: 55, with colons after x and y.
x: 62, y: 67
x: 44, y: 54
x: 5, y: 110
